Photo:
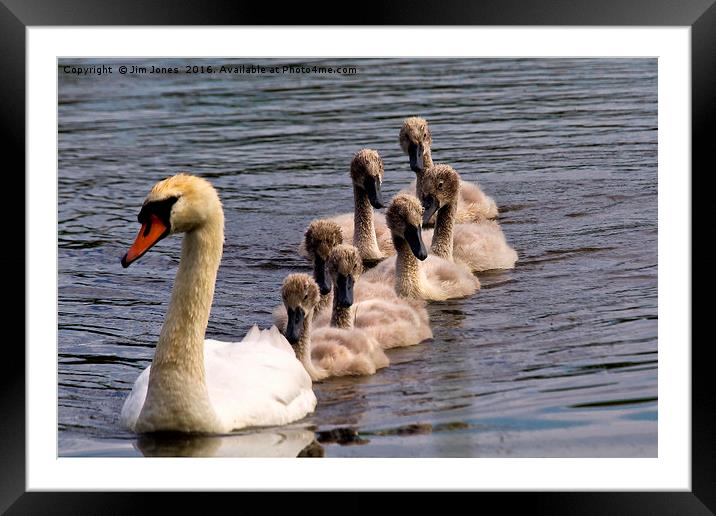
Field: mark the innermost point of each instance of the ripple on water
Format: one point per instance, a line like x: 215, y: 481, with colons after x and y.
x: 557, y: 357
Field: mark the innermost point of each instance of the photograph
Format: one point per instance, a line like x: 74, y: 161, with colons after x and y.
x: 367, y: 257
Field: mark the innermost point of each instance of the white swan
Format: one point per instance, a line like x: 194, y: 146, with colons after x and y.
x: 480, y: 245
x: 197, y: 385
x: 416, y: 141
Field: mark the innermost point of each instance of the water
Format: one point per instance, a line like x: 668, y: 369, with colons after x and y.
x: 557, y: 357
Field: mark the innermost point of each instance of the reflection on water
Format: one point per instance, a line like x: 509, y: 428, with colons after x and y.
x: 557, y: 357
x: 285, y: 442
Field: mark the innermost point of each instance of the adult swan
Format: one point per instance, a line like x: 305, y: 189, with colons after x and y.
x: 197, y: 385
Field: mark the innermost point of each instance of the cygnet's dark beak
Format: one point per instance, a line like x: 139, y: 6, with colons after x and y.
x: 372, y: 188
x: 319, y: 274
x: 294, y: 327
x: 415, y: 153
x: 344, y: 291
x: 414, y: 237
x: 430, y: 206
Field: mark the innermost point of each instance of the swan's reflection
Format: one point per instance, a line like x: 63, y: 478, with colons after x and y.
x: 277, y: 442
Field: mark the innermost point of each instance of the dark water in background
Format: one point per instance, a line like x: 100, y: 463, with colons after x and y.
x: 555, y: 358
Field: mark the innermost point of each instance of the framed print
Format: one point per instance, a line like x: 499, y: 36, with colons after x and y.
x: 515, y: 319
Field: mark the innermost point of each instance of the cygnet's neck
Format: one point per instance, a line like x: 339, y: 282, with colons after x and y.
x: 341, y: 317
x: 303, y: 347
x: 177, y: 395
x: 443, y: 234
x: 420, y: 173
x: 407, y: 269
x: 364, y: 237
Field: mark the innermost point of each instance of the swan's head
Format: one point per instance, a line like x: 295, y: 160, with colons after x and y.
x: 345, y: 267
x: 415, y: 140
x: 322, y: 236
x: 404, y: 218
x: 441, y: 185
x: 300, y: 296
x: 367, y: 174
x: 181, y: 203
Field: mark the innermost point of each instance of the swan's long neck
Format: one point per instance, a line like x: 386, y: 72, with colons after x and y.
x: 177, y: 391
x: 443, y: 234
x: 341, y: 317
x: 364, y: 237
x: 407, y: 269
x: 427, y: 163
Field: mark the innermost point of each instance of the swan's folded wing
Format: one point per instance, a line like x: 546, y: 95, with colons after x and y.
x: 274, y: 337
x: 258, y: 384
x: 252, y: 335
x: 135, y: 401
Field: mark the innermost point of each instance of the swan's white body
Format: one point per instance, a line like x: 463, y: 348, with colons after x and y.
x: 255, y: 382
x: 198, y: 385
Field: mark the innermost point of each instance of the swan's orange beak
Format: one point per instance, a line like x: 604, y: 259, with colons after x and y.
x: 151, y: 232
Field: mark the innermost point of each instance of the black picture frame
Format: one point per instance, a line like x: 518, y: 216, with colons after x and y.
x: 17, y: 15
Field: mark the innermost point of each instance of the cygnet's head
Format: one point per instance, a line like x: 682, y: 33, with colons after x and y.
x: 178, y: 204
x: 415, y: 140
x: 441, y: 185
x: 367, y: 174
x: 404, y: 218
x: 345, y: 267
x: 321, y: 236
x: 300, y: 295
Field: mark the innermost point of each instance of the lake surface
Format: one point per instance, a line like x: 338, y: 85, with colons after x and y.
x: 557, y: 357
